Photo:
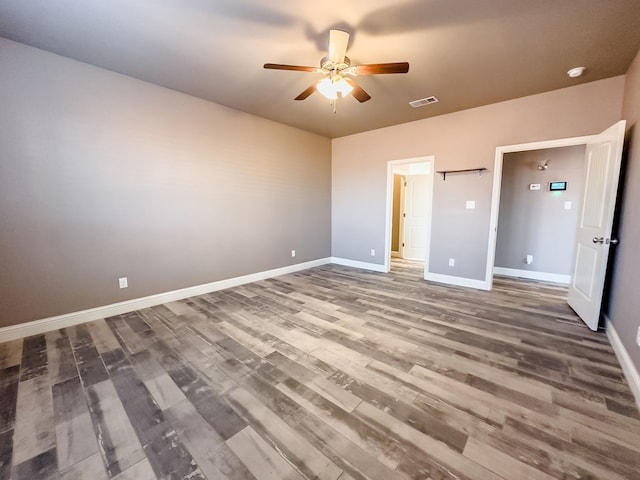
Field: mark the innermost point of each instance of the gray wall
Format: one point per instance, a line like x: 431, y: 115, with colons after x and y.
x: 624, y: 304
x: 466, y: 139
x: 103, y: 176
x: 535, y: 222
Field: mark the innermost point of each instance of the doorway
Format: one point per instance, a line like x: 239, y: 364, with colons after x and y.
x: 540, y: 199
x: 497, y: 184
x: 593, y: 238
x: 408, y: 219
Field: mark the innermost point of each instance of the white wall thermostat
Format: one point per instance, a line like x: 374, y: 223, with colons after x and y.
x: 534, y: 186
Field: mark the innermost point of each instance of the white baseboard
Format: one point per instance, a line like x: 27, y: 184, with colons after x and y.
x: 543, y: 276
x: 457, y: 281
x: 75, y: 318
x: 629, y: 369
x: 376, y: 267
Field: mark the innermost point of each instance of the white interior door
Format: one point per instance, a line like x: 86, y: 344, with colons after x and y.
x: 603, y: 157
x: 415, y: 219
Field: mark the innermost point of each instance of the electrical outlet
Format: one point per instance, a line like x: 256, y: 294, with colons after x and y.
x: 373, y: 252
x: 123, y: 282
x: 638, y: 337
x: 293, y: 253
x: 529, y: 259
x: 452, y: 262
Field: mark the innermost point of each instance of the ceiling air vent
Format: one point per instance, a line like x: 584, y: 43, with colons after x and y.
x: 424, y: 101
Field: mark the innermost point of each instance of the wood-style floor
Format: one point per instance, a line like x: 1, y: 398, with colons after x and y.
x: 330, y: 373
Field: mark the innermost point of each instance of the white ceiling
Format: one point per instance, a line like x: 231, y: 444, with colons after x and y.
x: 465, y: 52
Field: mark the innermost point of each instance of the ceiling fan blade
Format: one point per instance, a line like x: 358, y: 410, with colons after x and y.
x: 297, y: 68
x: 378, y: 68
x: 338, y: 41
x: 358, y: 92
x: 307, y: 92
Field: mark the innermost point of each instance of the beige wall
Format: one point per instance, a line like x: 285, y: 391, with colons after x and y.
x: 624, y: 305
x: 466, y: 139
x: 103, y: 176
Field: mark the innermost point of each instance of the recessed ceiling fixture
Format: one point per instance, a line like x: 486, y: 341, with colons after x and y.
x: 576, y: 72
x: 424, y: 101
x: 337, y: 69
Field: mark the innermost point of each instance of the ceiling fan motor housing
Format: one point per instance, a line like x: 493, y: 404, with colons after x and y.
x: 327, y: 65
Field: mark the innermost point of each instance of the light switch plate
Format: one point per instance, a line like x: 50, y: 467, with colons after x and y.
x: 567, y: 205
x: 471, y: 204
x: 123, y: 282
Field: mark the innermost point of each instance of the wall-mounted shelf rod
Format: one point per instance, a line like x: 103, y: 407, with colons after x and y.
x: 465, y: 170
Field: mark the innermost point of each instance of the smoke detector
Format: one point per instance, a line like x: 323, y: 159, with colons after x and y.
x: 576, y: 72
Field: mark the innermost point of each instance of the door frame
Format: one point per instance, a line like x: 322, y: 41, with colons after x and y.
x: 497, y: 185
x: 399, y: 252
x: 430, y: 160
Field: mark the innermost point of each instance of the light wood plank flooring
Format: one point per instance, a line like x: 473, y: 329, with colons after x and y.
x: 330, y: 373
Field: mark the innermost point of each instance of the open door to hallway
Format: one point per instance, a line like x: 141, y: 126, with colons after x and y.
x: 409, y: 197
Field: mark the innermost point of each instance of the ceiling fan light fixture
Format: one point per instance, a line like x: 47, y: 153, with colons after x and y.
x: 342, y: 87
x: 325, y: 87
x: 331, y: 87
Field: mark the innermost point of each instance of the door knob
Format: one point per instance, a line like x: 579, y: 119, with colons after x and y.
x: 598, y: 240
x: 614, y: 241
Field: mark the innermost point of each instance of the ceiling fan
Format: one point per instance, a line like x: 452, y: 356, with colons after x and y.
x: 337, y: 70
